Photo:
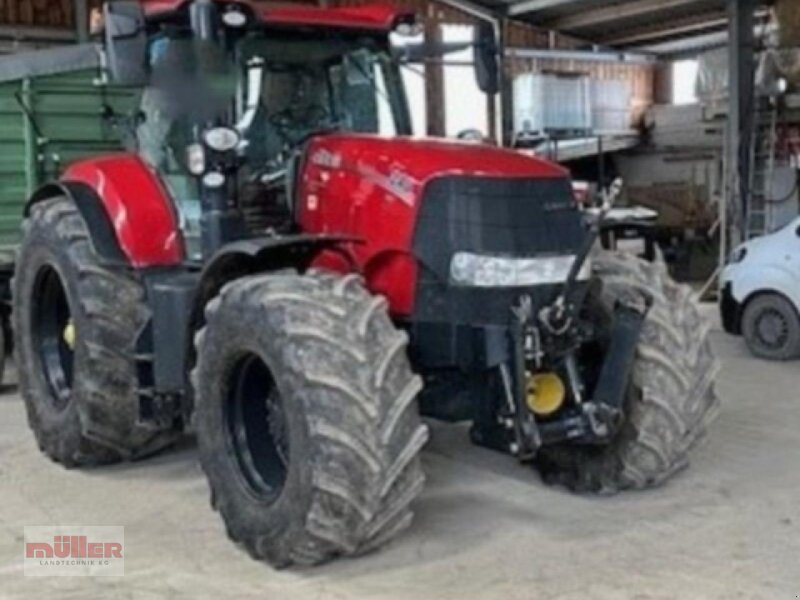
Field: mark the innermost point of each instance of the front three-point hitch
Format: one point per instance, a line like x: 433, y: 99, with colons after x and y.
x: 545, y: 392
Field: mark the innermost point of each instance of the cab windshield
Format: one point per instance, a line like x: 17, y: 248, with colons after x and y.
x: 309, y: 86
x: 318, y: 86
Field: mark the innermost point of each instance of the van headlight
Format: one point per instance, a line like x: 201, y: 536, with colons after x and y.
x: 737, y: 255
x: 476, y: 270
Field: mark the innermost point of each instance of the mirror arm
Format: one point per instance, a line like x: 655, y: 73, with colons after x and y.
x: 255, y: 81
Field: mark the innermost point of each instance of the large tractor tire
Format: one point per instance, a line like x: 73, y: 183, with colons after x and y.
x: 75, y: 326
x: 306, y: 418
x: 671, y: 398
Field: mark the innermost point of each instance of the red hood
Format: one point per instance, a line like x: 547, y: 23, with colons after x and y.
x: 372, y: 188
x: 420, y: 160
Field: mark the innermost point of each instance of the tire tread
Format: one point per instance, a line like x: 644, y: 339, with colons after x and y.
x: 674, y: 399
x: 367, y: 471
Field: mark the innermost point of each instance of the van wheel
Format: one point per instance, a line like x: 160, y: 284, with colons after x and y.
x: 771, y: 327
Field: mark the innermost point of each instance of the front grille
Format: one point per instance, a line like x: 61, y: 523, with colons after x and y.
x: 503, y: 217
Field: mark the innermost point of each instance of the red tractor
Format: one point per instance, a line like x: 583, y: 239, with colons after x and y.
x: 269, y: 271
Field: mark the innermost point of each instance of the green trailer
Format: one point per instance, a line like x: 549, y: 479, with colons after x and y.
x: 55, y: 109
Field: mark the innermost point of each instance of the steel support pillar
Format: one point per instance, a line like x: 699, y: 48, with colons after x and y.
x: 741, y: 111
x: 82, y: 20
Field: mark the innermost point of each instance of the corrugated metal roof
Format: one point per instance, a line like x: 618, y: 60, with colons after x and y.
x: 627, y: 24
x: 621, y: 19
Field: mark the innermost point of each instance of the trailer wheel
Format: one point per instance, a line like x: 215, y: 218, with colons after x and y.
x: 305, y: 416
x: 771, y: 327
x: 75, y: 325
x: 671, y: 398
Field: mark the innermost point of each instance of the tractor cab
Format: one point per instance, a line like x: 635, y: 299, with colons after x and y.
x: 236, y: 90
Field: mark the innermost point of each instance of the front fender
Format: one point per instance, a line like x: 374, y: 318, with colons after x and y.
x: 264, y: 254
x: 136, y: 203
x: 270, y: 253
x: 748, y: 280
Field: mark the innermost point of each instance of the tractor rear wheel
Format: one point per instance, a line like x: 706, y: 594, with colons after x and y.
x: 75, y: 327
x: 305, y: 416
x: 671, y: 397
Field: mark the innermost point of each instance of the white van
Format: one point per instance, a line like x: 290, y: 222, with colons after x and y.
x: 760, y: 297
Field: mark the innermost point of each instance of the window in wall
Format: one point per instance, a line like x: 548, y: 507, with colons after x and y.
x: 465, y: 105
x: 684, y: 75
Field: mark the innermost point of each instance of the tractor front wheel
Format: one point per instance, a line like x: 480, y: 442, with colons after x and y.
x: 671, y: 397
x: 306, y: 418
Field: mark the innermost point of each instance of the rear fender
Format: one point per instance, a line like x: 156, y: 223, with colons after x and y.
x: 138, y: 211
x: 101, y: 230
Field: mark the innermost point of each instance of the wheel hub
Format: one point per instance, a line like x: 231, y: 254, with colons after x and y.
x: 256, y: 427
x: 54, y: 334
x: 69, y: 335
x: 772, y: 329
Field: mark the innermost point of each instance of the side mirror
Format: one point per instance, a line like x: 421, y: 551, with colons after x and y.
x: 126, y: 42
x: 487, y: 71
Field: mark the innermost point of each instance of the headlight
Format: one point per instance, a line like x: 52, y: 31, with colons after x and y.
x: 234, y: 18
x: 737, y: 255
x: 214, y: 179
x: 221, y: 139
x: 195, y: 159
x: 467, y: 269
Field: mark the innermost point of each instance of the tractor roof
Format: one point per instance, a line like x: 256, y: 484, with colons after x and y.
x: 375, y: 17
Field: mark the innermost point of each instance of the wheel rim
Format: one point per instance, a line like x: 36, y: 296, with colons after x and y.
x: 256, y: 427
x: 54, y: 334
x: 772, y: 329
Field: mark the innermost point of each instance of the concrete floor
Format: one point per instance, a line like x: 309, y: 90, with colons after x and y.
x: 485, y: 527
